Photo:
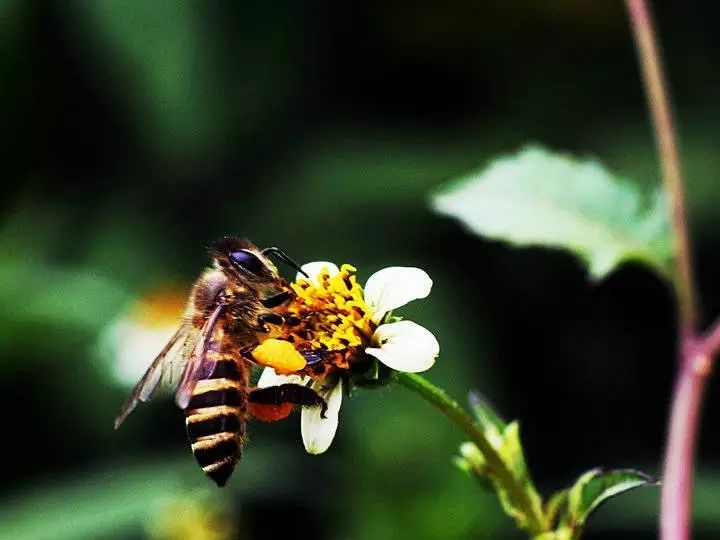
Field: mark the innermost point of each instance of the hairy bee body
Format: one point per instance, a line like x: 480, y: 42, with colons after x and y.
x: 232, y: 307
x: 216, y: 416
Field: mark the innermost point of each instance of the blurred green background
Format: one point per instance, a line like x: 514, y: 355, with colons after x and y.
x: 135, y: 133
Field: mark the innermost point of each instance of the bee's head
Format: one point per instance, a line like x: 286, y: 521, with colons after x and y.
x: 244, y: 259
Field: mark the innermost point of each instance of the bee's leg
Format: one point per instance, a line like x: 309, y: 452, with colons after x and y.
x: 273, y: 401
x: 317, y: 356
x: 268, y: 318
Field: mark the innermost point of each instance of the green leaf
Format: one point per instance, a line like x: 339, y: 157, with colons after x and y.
x: 539, y: 198
x: 505, y: 439
x: 511, y: 450
x: 485, y: 413
x: 472, y: 462
x: 555, y: 506
x: 595, y: 487
x: 512, y: 509
x: 560, y: 534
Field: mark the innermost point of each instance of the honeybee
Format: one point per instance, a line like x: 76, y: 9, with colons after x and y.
x: 232, y: 307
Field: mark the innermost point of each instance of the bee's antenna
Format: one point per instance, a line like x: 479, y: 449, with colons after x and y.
x: 284, y: 257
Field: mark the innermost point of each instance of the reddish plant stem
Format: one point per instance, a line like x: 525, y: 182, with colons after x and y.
x: 694, y: 353
x: 659, y: 104
x: 709, y: 343
x: 676, y: 498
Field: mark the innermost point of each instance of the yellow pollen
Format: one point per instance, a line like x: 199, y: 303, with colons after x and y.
x: 332, y: 311
x: 279, y: 355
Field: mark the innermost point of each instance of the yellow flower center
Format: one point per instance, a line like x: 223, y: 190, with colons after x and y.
x: 328, y: 320
x: 331, y: 311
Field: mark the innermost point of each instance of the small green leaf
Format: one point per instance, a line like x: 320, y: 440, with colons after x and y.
x: 511, y: 450
x: 595, y: 487
x: 555, y: 506
x: 560, y: 534
x: 470, y: 453
x: 485, y: 413
x: 505, y: 440
x: 511, y: 509
x: 514, y: 510
x: 472, y: 462
x: 539, y: 198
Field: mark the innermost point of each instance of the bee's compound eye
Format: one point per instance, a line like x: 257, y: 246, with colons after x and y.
x: 247, y: 261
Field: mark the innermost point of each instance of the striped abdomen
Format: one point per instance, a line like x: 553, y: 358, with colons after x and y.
x: 216, y: 417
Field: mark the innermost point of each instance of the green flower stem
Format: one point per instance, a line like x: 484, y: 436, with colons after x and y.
x: 496, y: 466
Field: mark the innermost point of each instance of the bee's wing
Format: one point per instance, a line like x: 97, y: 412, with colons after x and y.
x: 164, y: 363
x: 198, y: 366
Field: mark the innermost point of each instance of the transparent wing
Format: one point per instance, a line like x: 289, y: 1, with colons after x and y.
x: 168, y: 360
x: 198, y: 366
x: 177, y: 361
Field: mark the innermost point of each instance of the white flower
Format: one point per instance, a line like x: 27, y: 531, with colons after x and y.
x: 402, y: 345
x: 317, y: 432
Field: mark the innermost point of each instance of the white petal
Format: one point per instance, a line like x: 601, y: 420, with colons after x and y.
x: 393, y: 287
x: 317, y: 432
x: 405, y: 346
x: 313, y: 270
x: 269, y: 378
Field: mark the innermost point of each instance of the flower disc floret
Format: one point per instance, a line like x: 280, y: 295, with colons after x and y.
x: 332, y: 311
x: 333, y: 322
